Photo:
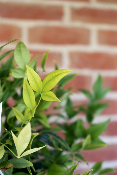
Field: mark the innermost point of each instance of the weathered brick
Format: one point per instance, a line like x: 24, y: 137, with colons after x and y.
x: 9, y: 32
x: 108, y: 1
x: 107, y: 153
x: 111, y: 129
x: 95, y: 60
x: 50, y: 59
x: 79, y: 82
x: 30, y: 11
x: 110, y: 82
x: 58, y: 35
x: 106, y: 37
x: 94, y: 15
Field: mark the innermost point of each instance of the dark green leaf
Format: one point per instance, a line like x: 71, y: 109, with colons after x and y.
x: 106, y: 171
x: 96, y: 167
x: 20, y: 163
x: 71, y: 170
x: 55, y: 169
x: 44, y: 60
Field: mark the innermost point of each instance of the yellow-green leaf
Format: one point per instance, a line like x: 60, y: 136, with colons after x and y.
x: 53, y: 78
x: 86, y: 142
x: 21, y: 55
x: 44, y: 60
x: 34, y: 80
x: 87, y: 172
x: 28, y: 95
x: 23, y: 139
x: 2, y: 151
x: 31, y: 151
x: 49, y: 96
x: 18, y: 115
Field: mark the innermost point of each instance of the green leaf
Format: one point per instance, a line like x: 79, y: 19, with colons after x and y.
x: 96, y: 167
x: 21, y: 55
x: 18, y: 73
x: 86, y: 142
x: 49, y: 96
x: 87, y: 93
x: 43, y: 119
x: 2, y: 151
x: 55, y: 169
x: 96, y: 129
x: 53, y: 78
x: 31, y: 151
x: 71, y: 170
x: 44, y: 60
x: 87, y: 172
x: 34, y: 80
x: 20, y: 163
x: 8, y: 43
x: 94, y: 146
x: 23, y: 139
x: 5, y: 165
x: 5, y: 54
x: 106, y: 171
x: 28, y: 95
x: 55, y: 65
x: 21, y: 173
x: 66, y: 79
x: 18, y: 115
x: 33, y: 62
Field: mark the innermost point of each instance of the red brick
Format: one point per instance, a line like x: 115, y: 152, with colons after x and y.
x: 110, y: 82
x: 9, y: 32
x: 112, y: 107
x: 58, y: 35
x: 111, y: 129
x: 107, y: 37
x: 50, y: 59
x: 79, y: 82
x: 11, y: 102
x: 74, y: 0
x: 108, y: 1
x: 30, y: 11
x: 83, y: 60
x: 103, y: 154
x: 94, y: 15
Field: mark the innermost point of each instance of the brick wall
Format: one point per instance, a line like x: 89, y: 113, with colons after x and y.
x: 82, y: 36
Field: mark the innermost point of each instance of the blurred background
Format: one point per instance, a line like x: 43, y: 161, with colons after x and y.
x: 81, y: 36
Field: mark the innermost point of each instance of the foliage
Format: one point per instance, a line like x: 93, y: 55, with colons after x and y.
x: 29, y: 143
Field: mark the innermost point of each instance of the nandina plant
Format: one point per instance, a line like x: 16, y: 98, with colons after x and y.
x: 27, y: 134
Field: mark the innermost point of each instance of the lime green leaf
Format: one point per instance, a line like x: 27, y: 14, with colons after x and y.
x: 44, y: 60
x: 2, y: 151
x: 49, y: 96
x: 34, y: 80
x: 71, y: 170
x: 87, y: 172
x: 5, y: 165
x: 94, y: 146
x: 18, y: 115
x: 28, y: 95
x: 86, y: 142
x: 18, y: 73
x: 23, y: 139
x: 53, y: 78
x: 21, y: 55
x: 31, y: 151
x: 55, y: 169
x: 20, y: 163
x: 106, y: 171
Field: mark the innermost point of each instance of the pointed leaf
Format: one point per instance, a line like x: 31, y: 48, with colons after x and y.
x: 5, y: 54
x: 18, y: 115
x: 94, y: 146
x: 28, y: 95
x: 55, y: 169
x: 18, y: 73
x: 71, y: 170
x: 86, y: 142
x: 23, y: 139
x: 34, y: 80
x: 49, y: 96
x: 21, y: 55
x: 43, y: 119
x: 20, y: 163
x: 44, y: 60
x: 2, y: 151
x: 106, y: 171
x: 96, y: 167
x: 31, y: 151
x: 33, y: 62
x: 53, y: 78
x: 87, y: 172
